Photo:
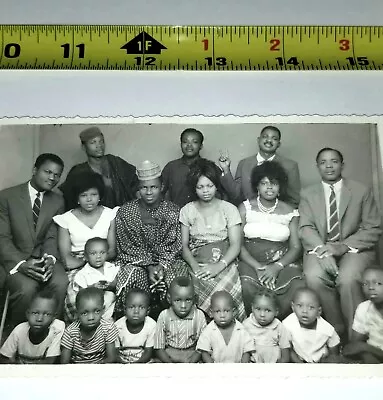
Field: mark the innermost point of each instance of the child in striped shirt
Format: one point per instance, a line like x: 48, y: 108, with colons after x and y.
x: 90, y: 339
x: 179, y: 327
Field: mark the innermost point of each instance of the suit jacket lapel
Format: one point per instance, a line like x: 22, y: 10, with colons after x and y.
x: 27, y: 208
x: 345, y: 197
x: 320, y: 209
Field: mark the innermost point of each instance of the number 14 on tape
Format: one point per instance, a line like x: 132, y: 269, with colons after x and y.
x: 191, y: 47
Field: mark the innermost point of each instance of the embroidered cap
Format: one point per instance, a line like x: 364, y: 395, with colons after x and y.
x: 148, y: 170
x: 90, y: 133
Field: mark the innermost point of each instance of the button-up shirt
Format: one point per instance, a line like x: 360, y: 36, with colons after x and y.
x: 33, y: 194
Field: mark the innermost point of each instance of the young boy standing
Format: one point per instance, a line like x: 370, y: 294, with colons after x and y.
x: 367, y: 330
x: 90, y: 339
x: 180, y: 326
x: 36, y: 341
x: 225, y: 340
x: 312, y: 338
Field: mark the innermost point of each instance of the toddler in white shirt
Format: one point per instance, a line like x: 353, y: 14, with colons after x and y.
x: 312, y: 338
x: 98, y: 272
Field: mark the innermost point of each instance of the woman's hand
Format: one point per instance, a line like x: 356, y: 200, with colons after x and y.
x: 209, y: 270
x: 268, y: 274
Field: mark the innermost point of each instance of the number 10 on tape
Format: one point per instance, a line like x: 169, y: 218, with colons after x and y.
x: 191, y: 47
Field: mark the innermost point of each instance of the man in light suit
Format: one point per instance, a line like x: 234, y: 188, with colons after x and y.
x: 28, y: 237
x: 240, y: 188
x: 339, y: 228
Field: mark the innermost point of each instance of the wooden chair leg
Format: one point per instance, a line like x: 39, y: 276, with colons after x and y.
x: 4, y: 316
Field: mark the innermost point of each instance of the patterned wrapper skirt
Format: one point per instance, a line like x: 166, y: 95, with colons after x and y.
x: 227, y: 280
x: 289, y: 279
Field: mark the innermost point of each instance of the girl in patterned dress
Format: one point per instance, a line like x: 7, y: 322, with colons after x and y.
x: 211, y: 240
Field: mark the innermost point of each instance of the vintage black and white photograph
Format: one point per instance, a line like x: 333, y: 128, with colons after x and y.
x: 191, y: 243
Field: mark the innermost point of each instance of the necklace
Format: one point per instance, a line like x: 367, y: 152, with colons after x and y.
x: 264, y: 209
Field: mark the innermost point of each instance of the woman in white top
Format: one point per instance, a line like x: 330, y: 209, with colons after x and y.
x: 76, y: 226
x: 271, y: 250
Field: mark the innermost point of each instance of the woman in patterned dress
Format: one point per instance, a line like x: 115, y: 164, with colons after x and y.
x: 148, y: 240
x: 211, y: 238
x: 271, y: 249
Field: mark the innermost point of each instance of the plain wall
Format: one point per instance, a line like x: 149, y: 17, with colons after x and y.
x: 160, y: 143
x: 18, y: 150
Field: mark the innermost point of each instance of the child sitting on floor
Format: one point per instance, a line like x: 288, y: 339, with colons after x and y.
x: 367, y: 330
x: 90, y: 339
x: 36, y: 341
x: 98, y: 272
x: 270, y: 337
x: 225, y: 340
x: 136, y: 330
x: 180, y: 326
x: 312, y: 338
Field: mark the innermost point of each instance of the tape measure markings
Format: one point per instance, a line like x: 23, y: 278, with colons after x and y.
x: 191, y: 48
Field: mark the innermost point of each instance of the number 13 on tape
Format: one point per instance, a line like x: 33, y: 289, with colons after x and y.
x: 191, y: 47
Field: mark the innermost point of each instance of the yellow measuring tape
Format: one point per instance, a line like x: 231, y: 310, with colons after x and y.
x: 234, y: 48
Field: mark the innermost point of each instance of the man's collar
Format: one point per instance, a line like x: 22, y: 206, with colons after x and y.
x: 336, y: 185
x: 33, y: 190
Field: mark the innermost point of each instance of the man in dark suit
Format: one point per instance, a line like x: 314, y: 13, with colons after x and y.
x: 240, y: 188
x: 28, y: 236
x: 339, y: 228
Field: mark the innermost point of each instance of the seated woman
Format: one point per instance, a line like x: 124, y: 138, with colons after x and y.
x: 88, y: 220
x: 148, y: 241
x: 271, y: 250
x: 211, y: 238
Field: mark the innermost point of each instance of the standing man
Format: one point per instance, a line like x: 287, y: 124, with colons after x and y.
x: 240, y: 189
x: 119, y: 177
x: 339, y: 228
x: 28, y: 237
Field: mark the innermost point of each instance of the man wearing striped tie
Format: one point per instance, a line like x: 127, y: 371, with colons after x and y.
x: 28, y: 240
x: 340, y: 226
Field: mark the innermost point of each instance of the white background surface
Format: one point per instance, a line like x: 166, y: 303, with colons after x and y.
x: 90, y: 94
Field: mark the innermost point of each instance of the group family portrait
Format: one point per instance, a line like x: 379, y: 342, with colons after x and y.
x: 200, y: 243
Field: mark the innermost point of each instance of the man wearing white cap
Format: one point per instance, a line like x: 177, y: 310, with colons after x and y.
x: 118, y: 175
x: 148, y: 238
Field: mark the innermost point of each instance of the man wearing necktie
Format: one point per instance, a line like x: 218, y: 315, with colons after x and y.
x: 240, y: 188
x: 28, y: 236
x: 339, y: 226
